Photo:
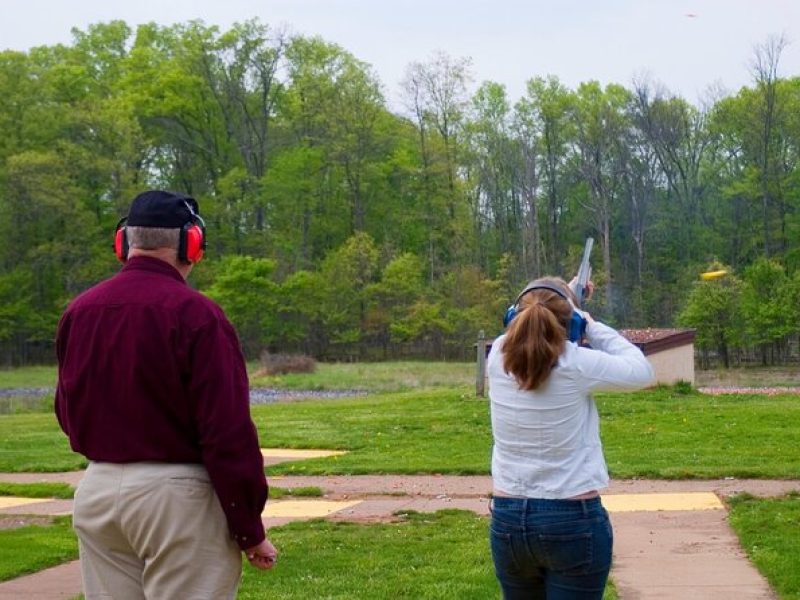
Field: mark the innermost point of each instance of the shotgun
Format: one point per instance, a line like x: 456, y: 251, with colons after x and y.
x: 578, y: 286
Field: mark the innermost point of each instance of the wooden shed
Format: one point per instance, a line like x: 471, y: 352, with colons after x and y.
x: 670, y: 351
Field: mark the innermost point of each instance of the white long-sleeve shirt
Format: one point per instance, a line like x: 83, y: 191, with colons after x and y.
x: 547, y: 441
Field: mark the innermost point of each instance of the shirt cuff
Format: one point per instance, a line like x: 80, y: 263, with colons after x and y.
x: 247, y: 538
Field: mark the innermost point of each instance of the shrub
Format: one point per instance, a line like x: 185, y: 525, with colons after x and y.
x: 281, y: 364
x: 683, y: 387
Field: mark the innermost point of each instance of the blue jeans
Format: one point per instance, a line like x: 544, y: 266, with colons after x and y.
x: 553, y: 549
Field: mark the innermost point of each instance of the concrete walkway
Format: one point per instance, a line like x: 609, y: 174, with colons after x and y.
x: 658, y: 554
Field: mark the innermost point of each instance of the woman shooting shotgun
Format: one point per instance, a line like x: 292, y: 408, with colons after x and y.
x: 550, y: 535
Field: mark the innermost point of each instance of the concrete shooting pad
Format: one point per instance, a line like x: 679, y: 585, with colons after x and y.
x: 308, y: 509
x: 296, y: 454
x: 16, y: 502
x: 661, y: 502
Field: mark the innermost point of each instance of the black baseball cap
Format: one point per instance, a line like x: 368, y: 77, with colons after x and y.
x: 159, y: 208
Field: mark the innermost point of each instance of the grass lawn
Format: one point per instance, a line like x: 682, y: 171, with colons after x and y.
x: 29, y: 377
x: 35, y: 442
x: 440, y: 555
x: 769, y: 531
x: 665, y: 435
x: 656, y: 433
x: 35, y: 547
x: 443, y: 555
x: 37, y: 490
x: 374, y: 377
x: 416, y: 432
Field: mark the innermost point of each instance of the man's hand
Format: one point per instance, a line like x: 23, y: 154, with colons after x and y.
x: 264, y: 556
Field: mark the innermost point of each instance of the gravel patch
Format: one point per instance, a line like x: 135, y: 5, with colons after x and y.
x: 257, y: 395
x: 766, y: 391
x: 17, y: 521
x: 272, y: 395
x: 25, y: 392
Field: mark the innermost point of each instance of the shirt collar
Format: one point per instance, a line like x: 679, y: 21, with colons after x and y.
x: 152, y: 265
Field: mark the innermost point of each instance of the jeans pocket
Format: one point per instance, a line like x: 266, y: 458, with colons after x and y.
x: 568, y: 553
x: 505, y: 562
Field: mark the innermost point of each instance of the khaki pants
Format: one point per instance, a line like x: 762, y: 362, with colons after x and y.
x: 153, y: 531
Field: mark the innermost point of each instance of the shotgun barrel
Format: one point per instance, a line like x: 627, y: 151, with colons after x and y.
x: 578, y: 286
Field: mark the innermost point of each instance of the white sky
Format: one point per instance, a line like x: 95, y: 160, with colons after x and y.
x: 509, y: 41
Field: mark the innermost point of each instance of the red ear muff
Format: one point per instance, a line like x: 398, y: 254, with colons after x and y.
x: 192, y: 241
x: 121, y: 242
x: 195, y: 243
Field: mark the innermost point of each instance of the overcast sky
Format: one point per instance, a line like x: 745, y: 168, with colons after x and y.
x: 688, y: 45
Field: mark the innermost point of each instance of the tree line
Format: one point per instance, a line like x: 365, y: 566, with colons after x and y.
x: 342, y: 228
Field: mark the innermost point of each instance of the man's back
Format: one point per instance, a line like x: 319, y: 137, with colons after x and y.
x: 153, y: 390
x: 127, y: 362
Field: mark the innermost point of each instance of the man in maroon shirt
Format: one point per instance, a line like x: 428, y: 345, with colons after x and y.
x: 152, y: 389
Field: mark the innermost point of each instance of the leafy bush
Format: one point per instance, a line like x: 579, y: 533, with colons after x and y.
x: 683, y: 387
x: 281, y: 364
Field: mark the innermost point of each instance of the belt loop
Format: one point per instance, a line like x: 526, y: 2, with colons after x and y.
x: 585, y: 508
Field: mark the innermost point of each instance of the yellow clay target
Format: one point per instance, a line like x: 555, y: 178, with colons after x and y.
x: 709, y: 275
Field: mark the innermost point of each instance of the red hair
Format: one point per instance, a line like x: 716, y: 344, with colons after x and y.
x: 536, y: 336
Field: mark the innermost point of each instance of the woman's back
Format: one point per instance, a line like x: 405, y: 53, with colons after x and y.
x: 547, y: 441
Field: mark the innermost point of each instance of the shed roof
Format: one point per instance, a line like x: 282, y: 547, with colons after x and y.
x: 653, y: 340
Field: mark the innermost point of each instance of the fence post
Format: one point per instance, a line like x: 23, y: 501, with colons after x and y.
x: 480, y: 370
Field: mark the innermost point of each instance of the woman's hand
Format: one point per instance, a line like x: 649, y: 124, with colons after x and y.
x: 588, y: 291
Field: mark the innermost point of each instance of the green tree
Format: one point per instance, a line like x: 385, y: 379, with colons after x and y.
x: 766, y: 306
x: 301, y: 308
x: 713, y: 309
x: 602, y: 125
x: 392, y: 298
x: 547, y: 128
x: 436, y: 94
x: 495, y: 165
x: 346, y: 273
x: 245, y: 289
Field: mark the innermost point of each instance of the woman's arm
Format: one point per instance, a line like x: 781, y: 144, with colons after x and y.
x: 612, y: 363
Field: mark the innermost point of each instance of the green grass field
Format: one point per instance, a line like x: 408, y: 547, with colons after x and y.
x: 438, y: 556
x: 439, y: 426
x: 769, y: 531
x: 657, y: 433
x: 37, y: 490
x: 35, y: 547
x: 28, y: 377
x: 375, y: 377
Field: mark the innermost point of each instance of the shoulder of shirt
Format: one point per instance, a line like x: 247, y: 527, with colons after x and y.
x: 182, y: 297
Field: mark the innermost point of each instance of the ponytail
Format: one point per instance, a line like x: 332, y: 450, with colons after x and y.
x: 536, y: 337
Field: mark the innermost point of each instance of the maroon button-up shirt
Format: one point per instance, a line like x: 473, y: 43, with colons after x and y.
x: 151, y: 370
